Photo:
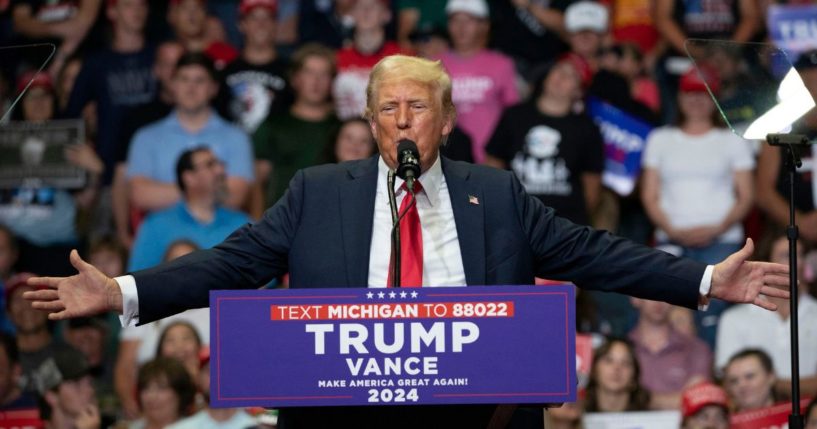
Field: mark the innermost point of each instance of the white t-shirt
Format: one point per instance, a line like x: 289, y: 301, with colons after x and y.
x: 697, y: 176
x: 747, y: 326
x: 148, y: 334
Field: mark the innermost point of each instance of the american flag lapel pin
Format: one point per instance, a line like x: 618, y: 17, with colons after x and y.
x: 473, y: 200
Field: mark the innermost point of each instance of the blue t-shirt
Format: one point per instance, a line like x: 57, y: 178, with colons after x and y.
x: 156, y: 148
x: 117, y: 82
x: 162, y: 228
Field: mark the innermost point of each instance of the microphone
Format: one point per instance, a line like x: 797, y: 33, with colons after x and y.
x: 408, y: 162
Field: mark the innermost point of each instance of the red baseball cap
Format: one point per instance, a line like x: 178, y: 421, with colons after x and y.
x: 581, y: 65
x: 696, y: 79
x: 38, y: 80
x: 248, y: 5
x: 694, y: 398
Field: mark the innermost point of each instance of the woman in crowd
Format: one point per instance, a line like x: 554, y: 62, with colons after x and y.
x: 354, y: 141
x: 165, y: 392
x: 749, y: 378
x: 181, y: 341
x: 697, y: 186
x: 613, y: 384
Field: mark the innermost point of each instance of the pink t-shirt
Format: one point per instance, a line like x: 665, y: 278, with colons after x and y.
x: 483, y: 86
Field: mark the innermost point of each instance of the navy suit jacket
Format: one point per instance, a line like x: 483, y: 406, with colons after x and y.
x: 320, y: 232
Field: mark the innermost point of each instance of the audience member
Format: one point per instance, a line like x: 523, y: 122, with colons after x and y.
x: 355, y: 61
x: 155, y: 148
x: 557, y: 154
x: 181, y: 341
x: 35, y: 333
x: 529, y: 31
x: 614, y: 384
x: 165, y: 392
x: 417, y: 16
x: 138, y: 344
x: 221, y: 418
x: 198, y: 217
x: 115, y: 78
x: 255, y: 84
x: 12, y: 396
x: 327, y: 23
x: 62, y: 22
x: 704, y: 405
x: 164, y: 65
x: 43, y: 217
x: 749, y: 378
x: 354, y: 141
x: 297, y: 138
x: 741, y: 328
x: 89, y: 336
x: 669, y: 360
x: 697, y: 187
x: 484, y: 82
x: 633, y: 22
x: 67, y: 393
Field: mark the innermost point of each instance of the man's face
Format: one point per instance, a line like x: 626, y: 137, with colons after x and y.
x: 167, y: 56
x: 193, y: 88
x: 585, y: 43
x: 563, y: 82
x: 467, y: 31
x: 90, y: 341
x: 258, y: 27
x: 655, y: 312
x: 129, y: 14
x: 188, y: 18
x: 405, y: 109
x: 313, y: 81
x: 208, y: 174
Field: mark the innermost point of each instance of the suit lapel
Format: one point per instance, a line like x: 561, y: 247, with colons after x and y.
x: 469, y: 215
x: 357, y: 196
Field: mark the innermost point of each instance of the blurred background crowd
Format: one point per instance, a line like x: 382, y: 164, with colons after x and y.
x: 193, y: 115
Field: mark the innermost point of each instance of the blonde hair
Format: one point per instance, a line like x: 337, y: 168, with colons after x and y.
x: 404, y: 67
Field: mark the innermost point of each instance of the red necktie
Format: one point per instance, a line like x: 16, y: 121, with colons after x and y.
x: 411, y: 243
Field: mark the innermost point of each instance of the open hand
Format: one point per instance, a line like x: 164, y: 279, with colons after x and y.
x: 85, y: 294
x: 736, y: 279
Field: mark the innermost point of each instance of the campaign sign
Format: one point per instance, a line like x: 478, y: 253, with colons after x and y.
x: 793, y: 28
x: 774, y: 417
x: 624, y: 139
x: 358, y: 346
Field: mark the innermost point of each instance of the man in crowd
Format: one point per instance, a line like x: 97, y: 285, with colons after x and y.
x: 255, y: 84
x: 198, y: 217
x: 704, y: 405
x: 156, y: 147
x: 508, y: 238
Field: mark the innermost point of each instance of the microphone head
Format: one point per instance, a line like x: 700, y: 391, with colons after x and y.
x: 408, y: 159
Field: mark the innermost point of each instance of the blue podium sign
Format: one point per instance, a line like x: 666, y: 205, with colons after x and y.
x: 357, y: 346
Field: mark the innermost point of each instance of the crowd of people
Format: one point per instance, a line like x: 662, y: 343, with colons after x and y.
x: 194, y: 115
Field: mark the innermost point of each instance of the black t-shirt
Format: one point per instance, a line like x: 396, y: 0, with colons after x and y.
x: 250, y: 92
x: 549, y: 155
x: 517, y: 33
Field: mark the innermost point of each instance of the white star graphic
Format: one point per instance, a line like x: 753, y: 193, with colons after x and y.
x: 369, y: 295
x: 414, y: 294
x: 381, y: 295
x: 403, y: 294
x: 392, y: 295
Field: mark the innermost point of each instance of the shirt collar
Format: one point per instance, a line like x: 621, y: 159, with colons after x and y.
x: 430, y: 180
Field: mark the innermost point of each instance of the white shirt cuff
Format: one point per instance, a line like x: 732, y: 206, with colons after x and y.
x: 703, y: 289
x: 130, y: 301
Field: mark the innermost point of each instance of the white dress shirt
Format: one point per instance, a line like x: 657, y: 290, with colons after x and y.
x: 442, y: 260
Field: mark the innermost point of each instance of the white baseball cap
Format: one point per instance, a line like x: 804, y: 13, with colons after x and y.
x: 586, y: 15
x: 477, y: 8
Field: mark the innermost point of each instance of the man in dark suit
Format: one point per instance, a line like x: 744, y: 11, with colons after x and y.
x: 478, y: 227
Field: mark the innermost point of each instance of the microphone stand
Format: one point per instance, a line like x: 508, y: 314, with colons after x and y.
x: 789, y: 144
x: 395, y: 232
